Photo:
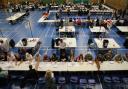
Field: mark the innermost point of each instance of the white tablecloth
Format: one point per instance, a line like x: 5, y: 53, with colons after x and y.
x: 66, y: 66
x: 112, y: 43
x: 15, y: 16
x: 70, y: 42
x: 123, y: 28
x: 31, y: 42
x: 98, y: 29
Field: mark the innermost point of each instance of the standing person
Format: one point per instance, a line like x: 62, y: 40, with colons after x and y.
x: 68, y: 12
x: 30, y: 77
x: 62, y: 46
x: 49, y: 80
x: 63, y: 56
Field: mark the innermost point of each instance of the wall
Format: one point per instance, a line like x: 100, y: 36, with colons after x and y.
x: 3, y: 3
x: 94, y: 1
x: 117, y: 4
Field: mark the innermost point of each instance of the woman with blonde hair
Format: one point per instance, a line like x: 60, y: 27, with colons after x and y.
x: 49, y: 81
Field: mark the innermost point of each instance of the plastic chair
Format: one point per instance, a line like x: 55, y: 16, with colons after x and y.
x: 107, y: 81
x: 125, y: 82
x: 82, y: 83
x: 61, y: 83
x: 91, y: 83
x: 73, y: 82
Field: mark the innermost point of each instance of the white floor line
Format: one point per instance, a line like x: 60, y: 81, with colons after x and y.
x: 53, y: 31
x: 83, y: 31
x: 48, y: 30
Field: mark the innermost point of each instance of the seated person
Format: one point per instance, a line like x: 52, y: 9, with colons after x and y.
x: 46, y: 14
x: 105, y: 43
x: 72, y: 57
x: 12, y: 43
x: 11, y: 56
x: 28, y: 57
x: 91, y: 24
x: 118, y: 23
x: 22, y: 52
x: 126, y: 57
x: 24, y: 41
x: 61, y: 23
x: 53, y: 58
x: 78, y: 21
x: 3, y: 51
x: 70, y: 19
x: 100, y: 57
x: 63, y: 57
x: 108, y: 56
x: 52, y: 43
x: 74, y: 20
x: 118, y: 58
x: 27, y: 12
x: 80, y: 58
x: 38, y: 57
x: 45, y: 58
x: 17, y: 56
x: 57, y: 41
x: 57, y: 16
x: 31, y: 51
x: 88, y: 57
x: 97, y: 22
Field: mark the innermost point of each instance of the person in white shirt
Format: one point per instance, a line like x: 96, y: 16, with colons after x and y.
x: 62, y: 50
x: 29, y: 57
x: 62, y: 44
x: 11, y: 56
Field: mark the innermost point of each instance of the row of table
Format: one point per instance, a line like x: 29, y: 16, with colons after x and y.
x: 71, y: 42
x: 66, y: 66
x: 31, y: 42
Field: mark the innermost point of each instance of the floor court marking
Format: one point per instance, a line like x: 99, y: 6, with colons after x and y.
x: 53, y: 32
x: 48, y: 30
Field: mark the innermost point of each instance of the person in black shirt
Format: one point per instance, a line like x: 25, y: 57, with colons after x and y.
x: 31, y: 74
x: 57, y: 15
x: 30, y: 77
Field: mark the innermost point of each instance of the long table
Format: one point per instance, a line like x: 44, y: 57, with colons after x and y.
x: 65, y: 66
x: 43, y: 18
x: 123, y: 28
x: 67, y: 29
x: 97, y: 29
x: 112, y: 43
x: 15, y: 16
x: 70, y: 42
